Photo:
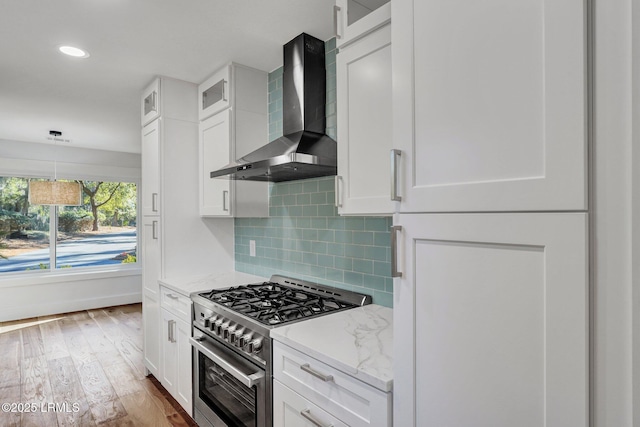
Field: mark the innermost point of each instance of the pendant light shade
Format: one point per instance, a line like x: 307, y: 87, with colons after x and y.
x: 55, y: 193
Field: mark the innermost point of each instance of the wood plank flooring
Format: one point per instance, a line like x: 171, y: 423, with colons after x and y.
x: 90, y: 364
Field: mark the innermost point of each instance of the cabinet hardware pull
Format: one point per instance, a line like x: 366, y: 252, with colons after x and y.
x: 338, y: 196
x: 224, y: 200
x: 336, y: 11
x: 395, y: 155
x: 313, y: 420
x: 154, y: 230
x: 323, y: 377
x: 154, y: 202
x: 169, y: 330
x: 172, y: 296
x: 394, y: 251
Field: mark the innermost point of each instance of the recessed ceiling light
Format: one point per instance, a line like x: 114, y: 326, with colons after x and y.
x: 73, y: 51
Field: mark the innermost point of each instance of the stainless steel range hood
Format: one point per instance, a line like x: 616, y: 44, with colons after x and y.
x: 305, y: 151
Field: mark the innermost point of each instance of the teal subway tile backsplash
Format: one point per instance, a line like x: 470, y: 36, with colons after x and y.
x: 346, y: 252
x: 304, y: 237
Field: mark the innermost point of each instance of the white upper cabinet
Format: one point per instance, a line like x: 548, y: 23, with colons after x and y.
x: 150, y: 158
x: 355, y: 18
x: 365, y: 125
x: 150, y: 102
x: 490, y: 105
x: 237, y: 127
x: 215, y: 134
x: 213, y: 93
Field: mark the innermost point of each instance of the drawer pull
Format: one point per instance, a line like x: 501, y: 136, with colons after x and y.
x: 172, y: 296
x: 323, y: 377
x: 316, y: 422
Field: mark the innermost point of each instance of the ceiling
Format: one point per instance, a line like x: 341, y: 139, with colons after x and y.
x: 95, y: 102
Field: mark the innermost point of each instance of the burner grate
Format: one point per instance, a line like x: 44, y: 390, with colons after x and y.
x: 273, y: 304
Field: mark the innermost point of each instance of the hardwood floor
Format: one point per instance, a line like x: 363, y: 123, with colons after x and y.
x: 81, y: 369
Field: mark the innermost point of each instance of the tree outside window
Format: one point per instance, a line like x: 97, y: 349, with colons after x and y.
x: 100, y: 232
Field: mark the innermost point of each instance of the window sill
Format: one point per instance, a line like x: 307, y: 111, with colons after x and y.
x: 9, y: 280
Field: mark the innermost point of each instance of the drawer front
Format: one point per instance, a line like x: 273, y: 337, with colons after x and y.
x: 176, y: 303
x: 214, y: 94
x: 292, y: 410
x: 349, y: 399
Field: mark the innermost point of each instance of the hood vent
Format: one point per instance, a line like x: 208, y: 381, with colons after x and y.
x: 305, y: 151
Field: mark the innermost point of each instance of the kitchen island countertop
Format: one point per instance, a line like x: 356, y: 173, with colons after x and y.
x: 358, y: 342
x: 190, y: 284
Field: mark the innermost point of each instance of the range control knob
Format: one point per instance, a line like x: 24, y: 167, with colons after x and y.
x: 217, y: 326
x: 228, y: 331
x: 255, y: 345
x: 208, y: 322
x: 234, y: 339
x: 244, y: 340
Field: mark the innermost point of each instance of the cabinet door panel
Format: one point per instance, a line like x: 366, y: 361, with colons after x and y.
x: 215, y: 197
x: 364, y: 125
x: 357, y: 18
x: 169, y: 346
x: 184, y: 392
x: 497, y: 306
x: 490, y: 109
x: 151, y: 169
x: 151, y: 324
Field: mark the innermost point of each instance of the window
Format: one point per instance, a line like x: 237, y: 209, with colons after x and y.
x: 103, y: 231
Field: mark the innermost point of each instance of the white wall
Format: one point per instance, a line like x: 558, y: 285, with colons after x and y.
x: 36, y: 294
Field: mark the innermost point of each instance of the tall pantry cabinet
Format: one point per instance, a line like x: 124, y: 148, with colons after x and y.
x: 491, y: 260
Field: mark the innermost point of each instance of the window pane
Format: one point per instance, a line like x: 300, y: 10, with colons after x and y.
x: 100, y: 232
x: 24, y: 228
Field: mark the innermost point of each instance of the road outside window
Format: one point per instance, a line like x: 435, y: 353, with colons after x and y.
x: 101, y: 232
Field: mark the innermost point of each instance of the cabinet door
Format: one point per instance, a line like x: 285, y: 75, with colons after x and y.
x: 490, y: 104
x: 292, y: 410
x: 355, y: 18
x: 364, y: 125
x: 150, y: 163
x: 492, y: 317
x: 151, y: 327
x: 215, y: 137
x: 151, y: 255
x: 169, y: 352
x: 184, y: 391
x: 213, y: 93
x: 150, y: 108
x: 151, y: 263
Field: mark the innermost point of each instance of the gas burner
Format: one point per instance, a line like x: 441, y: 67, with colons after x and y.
x: 274, y: 303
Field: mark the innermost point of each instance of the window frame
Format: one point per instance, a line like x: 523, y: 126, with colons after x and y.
x: 97, y: 271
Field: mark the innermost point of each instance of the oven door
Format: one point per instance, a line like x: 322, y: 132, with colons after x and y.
x: 228, y: 389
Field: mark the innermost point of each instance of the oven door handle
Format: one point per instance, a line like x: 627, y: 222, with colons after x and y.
x: 248, y: 380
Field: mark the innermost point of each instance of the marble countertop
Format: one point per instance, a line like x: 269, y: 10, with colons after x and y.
x: 188, y: 285
x: 358, y: 342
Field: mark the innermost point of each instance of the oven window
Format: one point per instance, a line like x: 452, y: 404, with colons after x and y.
x: 231, y: 400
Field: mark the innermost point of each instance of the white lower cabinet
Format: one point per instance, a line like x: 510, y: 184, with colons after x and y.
x: 308, y: 392
x: 491, y: 314
x: 176, y: 349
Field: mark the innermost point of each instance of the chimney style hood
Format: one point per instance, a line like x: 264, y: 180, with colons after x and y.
x: 305, y: 151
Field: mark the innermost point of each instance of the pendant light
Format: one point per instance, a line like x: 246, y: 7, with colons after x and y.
x: 55, y: 192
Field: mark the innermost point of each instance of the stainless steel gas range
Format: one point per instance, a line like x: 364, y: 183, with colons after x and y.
x: 232, y: 344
